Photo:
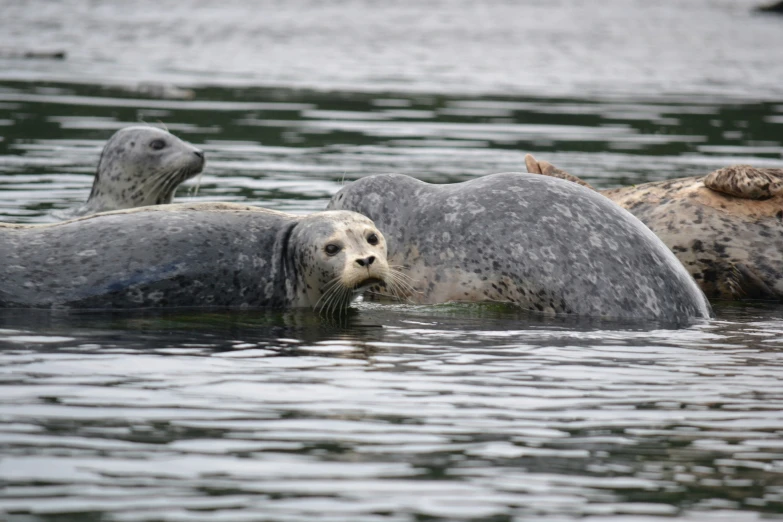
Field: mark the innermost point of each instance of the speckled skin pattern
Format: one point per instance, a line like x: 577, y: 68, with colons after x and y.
x: 139, y: 166
x: 539, y: 242
x: 733, y: 247
x: 726, y: 228
x: 207, y: 254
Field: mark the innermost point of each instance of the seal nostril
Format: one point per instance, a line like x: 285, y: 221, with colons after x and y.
x: 360, y: 262
x: 365, y: 262
x: 370, y: 260
x: 199, y: 153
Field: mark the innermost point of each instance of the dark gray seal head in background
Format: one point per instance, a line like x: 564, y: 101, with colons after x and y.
x: 207, y: 254
x: 540, y: 243
x: 139, y: 166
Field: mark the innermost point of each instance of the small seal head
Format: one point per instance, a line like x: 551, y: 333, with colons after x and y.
x: 140, y: 166
x: 336, y: 255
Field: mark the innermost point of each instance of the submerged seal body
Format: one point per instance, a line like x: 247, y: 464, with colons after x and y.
x: 541, y: 243
x: 208, y: 254
x: 726, y: 228
x: 139, y: 166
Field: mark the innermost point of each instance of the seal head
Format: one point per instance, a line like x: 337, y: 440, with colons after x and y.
x: 335, y: 256
x: 139, y: 166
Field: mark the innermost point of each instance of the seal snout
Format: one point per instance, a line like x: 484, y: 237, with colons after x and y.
x: 367, y: 261
x: 201, y: 160
x: 367, y: 283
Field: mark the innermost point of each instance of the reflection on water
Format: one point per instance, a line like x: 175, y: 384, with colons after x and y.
x: 396, y: 412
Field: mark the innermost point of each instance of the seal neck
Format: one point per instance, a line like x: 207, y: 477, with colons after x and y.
x: 287, y: 280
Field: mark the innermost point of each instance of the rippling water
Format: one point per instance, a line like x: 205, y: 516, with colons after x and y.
x: 468, y: 412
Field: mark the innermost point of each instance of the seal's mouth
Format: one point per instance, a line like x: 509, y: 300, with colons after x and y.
x: 367, y: 283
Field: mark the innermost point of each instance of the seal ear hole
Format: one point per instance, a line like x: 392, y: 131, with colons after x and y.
x: 372, y: 239
x: 157, y: 144
x: 331, y: 249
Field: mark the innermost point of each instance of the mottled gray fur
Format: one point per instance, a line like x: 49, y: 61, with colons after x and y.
x: 539, y: 242
x: 139, y: 166
x: 208, y: 254
x: 726, y: 228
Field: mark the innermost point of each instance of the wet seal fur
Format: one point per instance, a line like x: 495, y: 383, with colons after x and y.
x: 139, y: 166
x: 185, y: 255
x: 534, y: 241
x: 726, y: 227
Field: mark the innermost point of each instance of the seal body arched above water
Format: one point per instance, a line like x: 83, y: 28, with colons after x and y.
x: 139, y: 166
x: 208, y: 254
x: 538, y: 242
x: 726, y: 228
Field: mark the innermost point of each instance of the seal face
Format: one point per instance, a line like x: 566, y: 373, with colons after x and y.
x: 337, y: 255
x: 538, y: 242
x: 204, y: 254
x: 139, y: 166
x: 726, y: 228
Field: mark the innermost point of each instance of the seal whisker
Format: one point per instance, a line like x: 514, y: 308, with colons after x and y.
x: 402, y: 280
x: 344, y: 301
x: 335, y: 296
x: 326, y: 292
x: 149, y: 186
x: 339, y: 302
x: 335, y: 300
x: 171, y: 182
x: 393, y: 294
x: 194, y: 190
x: 395, y: 289
x: 152, y: 186
x: 402, y: 277
x: 397, y: 270
x: 398, y: 287
x: 157, y: 183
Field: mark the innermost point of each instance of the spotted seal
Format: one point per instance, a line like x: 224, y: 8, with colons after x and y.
x: 205, y: 254
x: 538, y: 242
x: 726, y: 227
x: 139, y: 166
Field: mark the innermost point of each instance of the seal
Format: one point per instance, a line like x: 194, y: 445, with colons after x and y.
x: 193, y: 255
x: 726, y: 228
x: 139, y: 166
x: 538, y: 242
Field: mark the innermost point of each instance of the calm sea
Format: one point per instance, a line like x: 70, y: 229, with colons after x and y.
x: 398, y: 413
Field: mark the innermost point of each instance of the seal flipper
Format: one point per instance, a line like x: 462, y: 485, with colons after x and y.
x: 547, y: 169
x: 744, y: 181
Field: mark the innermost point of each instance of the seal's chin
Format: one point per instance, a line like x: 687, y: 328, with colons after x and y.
x: 367, y: 283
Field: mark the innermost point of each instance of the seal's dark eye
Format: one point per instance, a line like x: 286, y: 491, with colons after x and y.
x: 372, y: 239
x: 331, y: 249
x: 157, y: 144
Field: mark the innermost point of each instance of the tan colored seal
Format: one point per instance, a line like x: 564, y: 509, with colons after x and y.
x: 726, y: 227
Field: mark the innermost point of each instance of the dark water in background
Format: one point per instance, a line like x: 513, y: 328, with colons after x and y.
x: 398, y: 413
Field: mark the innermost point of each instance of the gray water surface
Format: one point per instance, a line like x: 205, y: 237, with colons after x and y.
x: 397, y: 412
